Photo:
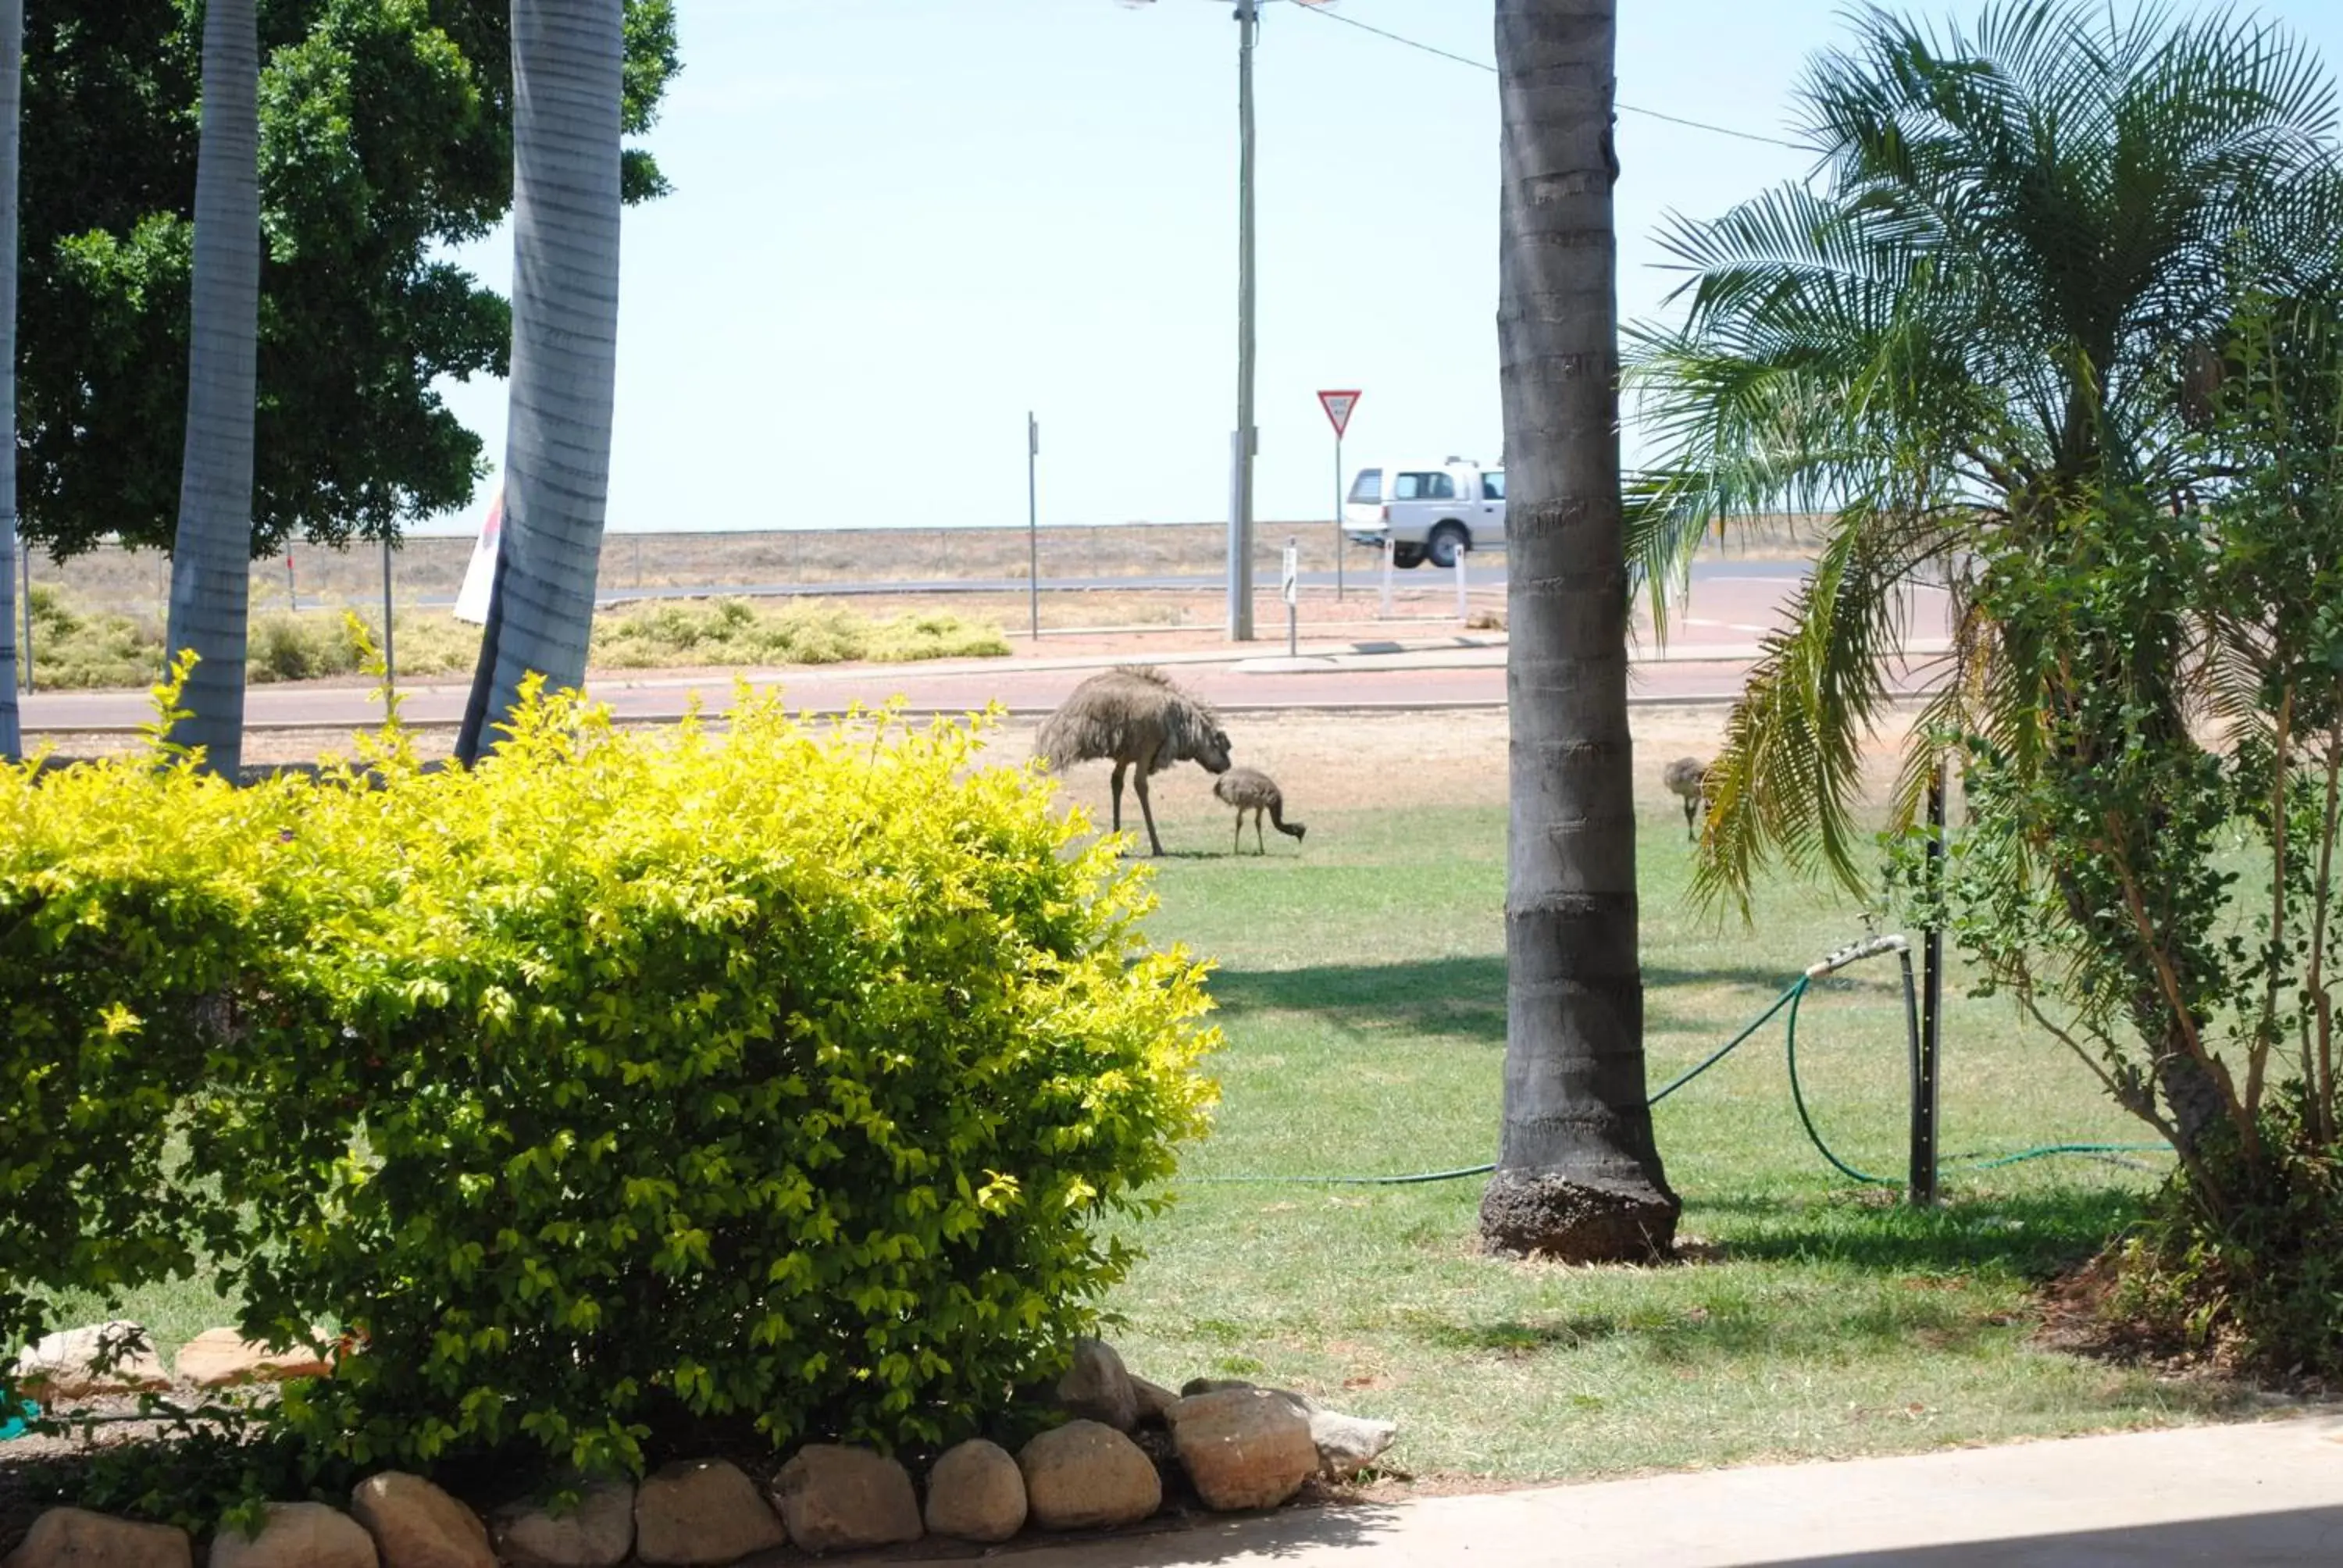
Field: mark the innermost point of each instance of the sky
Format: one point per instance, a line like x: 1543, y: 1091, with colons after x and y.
x: 900, y: 224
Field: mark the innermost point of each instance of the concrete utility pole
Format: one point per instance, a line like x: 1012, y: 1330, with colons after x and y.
x: 1246, y: 443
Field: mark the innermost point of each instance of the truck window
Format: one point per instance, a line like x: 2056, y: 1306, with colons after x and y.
x: 1367, y: 489
x: 1424, y: 487
x: 1493, y: 486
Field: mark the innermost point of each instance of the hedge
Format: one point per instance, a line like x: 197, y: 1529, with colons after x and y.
x: 623, y: 1088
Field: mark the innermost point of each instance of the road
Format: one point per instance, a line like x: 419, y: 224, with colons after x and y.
x: 1708, y: 653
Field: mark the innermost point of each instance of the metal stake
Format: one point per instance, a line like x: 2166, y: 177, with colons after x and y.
x: 1932, y: 1008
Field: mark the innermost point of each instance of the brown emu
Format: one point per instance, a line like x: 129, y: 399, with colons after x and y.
x: 1136, y: 717
x: 1250, y: 790
x: 1688, y: 776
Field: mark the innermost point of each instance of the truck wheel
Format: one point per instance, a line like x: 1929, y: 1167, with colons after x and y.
x: 1447, y: 540
x: 1407, y: 557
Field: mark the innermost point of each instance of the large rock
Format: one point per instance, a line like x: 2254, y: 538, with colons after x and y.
x: 596, y: 1534
x: 417, y: 1525
x: 702, y: 1512
x: 1086, y: 1475
x: 76, y: 1538
x: 976, y: 1493
x: 1243, y: 1447
x: 297, y: 1535
x: 1152, y: 1400
x: 220, y: 1358
x: 836, y: 1499
x: 76, y: 1363
x: 1346, y: 1443
x: 1097, y: 1388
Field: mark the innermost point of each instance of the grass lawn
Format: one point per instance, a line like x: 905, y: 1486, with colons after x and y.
x: 1361, y: 985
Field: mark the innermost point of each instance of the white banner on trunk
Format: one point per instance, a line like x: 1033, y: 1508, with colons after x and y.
x: 479, y: 577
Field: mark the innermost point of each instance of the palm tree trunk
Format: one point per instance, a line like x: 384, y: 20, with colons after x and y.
x: 211, y: 562
x: 1578, y: 1174
x: 12, y: 98
x: 567, y: 56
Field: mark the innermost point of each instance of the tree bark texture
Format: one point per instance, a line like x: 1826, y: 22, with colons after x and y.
x: 12, y: 99
x: 1578, y: 1174
x: 211, y: 561
x: 567, y: 58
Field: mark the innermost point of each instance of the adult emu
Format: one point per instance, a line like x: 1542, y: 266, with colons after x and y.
x: 1136, y: 717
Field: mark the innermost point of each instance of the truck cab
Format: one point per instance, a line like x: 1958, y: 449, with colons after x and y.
x: 1428, y: 511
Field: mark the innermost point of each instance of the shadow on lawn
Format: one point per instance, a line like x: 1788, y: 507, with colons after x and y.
x: 2033, y: 1236
x: 1455, y: 996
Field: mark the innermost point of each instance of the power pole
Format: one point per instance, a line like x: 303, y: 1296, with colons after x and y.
x: 1247, y: 442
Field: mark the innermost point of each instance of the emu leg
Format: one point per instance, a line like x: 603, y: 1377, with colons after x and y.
x: 1257, y: 843
x: 1139, y: 782
x: 1692, y: 818
x: 1236, y: 845
x: 1118, y: 795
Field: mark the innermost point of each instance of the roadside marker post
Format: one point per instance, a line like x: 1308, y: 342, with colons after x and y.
x: 1033, y: 522
x: 1387, y: 571
x: 1338, y: 407
x: 1463, y: 607
x: 1290, y: 587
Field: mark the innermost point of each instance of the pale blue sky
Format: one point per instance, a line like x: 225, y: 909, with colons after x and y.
x: 899, y: 224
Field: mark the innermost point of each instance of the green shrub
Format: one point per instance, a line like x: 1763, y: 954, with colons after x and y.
x: 734, y: 633
x: 622, y: 1090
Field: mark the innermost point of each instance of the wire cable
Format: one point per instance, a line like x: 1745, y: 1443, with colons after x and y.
x: 1485, y: 65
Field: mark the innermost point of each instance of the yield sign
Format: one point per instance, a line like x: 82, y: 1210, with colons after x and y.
x: 1338, y: 407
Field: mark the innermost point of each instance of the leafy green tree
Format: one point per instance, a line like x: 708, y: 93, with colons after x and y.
x: 1578, y: 1174
x: 2162, y: 898
x: 2003, y: 300
x: 569, y: 57
x: 385, y: 134
x: 211, y: 577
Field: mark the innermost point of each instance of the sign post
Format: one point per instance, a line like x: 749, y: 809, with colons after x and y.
x: 1338, y: 407
x: 1033, y: 522
x: 1290, y: 587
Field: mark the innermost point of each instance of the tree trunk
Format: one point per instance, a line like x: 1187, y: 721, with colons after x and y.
x: 12, y: 98
x: 1578, y: 1175
x: 211, y: 562
x: 567, y: 56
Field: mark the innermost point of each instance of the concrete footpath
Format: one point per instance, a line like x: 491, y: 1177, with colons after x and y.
x: 2264, y: 1493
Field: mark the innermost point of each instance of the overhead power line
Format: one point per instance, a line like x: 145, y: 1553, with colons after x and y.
x: 1320, y: 10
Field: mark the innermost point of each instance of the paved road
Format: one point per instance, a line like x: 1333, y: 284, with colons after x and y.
x: 1709, y: 648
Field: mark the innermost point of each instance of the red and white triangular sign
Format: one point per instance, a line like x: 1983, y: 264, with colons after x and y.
x: 1338, y: 407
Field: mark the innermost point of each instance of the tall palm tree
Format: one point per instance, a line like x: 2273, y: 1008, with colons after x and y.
x: 1578, y: 1174
x: 211, y: 562
x: 12, y: 81
x: 567, y: 61
x: 2002, y: 292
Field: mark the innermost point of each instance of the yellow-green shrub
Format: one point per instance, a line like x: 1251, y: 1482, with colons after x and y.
x: 627, y: 1086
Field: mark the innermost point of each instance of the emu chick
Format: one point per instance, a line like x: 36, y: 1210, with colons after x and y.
x: 1250, y: 790
x: 1688, y: 776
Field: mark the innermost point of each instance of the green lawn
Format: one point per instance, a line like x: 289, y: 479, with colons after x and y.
x: 1361, y: 984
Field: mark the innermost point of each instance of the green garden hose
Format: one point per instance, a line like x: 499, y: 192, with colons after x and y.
x: 1792, y: 997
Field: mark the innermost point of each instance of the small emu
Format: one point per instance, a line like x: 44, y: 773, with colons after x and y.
x: 1688, y: 776
x: 1250, y: 790
x: 1135, y: 717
